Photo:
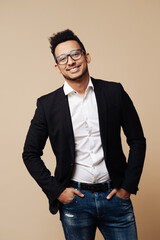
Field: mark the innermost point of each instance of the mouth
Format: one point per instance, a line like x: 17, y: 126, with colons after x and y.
x: 73, y: 69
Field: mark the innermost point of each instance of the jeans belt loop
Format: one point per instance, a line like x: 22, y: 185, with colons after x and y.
x: 109, y: 185
x: 79, y: 185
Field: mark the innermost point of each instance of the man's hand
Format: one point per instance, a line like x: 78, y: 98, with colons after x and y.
x: 68, y: 194
x: 122, y: 193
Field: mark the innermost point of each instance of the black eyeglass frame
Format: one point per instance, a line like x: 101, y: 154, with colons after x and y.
x: 69, y: 55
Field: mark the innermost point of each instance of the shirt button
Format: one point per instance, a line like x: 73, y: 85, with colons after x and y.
x: 89, y: 132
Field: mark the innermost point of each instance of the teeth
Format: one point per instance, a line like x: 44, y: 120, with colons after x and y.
x: 73, y: 69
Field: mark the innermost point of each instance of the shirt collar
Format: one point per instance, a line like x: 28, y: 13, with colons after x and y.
x: 68, y: 89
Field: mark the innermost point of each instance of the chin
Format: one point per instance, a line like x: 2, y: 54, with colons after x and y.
x: 75, y: 78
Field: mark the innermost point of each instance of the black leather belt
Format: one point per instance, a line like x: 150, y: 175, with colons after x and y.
x: 98, y: 187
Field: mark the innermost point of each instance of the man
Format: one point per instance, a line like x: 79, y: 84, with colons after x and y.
x: 93, y: 181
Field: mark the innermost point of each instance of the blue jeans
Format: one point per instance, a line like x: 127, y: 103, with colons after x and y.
x: 114, y: 218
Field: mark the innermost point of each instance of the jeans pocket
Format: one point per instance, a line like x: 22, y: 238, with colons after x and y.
x: 122, y: 199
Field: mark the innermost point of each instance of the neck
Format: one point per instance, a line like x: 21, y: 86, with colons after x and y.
x: 79, y: 85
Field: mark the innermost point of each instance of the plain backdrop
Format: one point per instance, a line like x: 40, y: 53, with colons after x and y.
x: 123, y: 38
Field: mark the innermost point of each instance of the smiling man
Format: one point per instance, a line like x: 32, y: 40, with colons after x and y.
x: 83, y: 119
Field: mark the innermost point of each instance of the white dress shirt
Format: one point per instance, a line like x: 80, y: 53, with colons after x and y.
x: 90, y: 166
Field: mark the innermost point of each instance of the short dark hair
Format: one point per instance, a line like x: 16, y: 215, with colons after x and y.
x: 63, y: 36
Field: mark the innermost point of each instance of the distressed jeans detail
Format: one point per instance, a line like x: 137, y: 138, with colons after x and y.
x: 114, y: 218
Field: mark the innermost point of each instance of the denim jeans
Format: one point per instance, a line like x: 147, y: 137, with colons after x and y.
x: 114, y: 218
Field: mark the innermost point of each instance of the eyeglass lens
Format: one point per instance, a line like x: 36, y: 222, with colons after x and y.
x: 75, y: 55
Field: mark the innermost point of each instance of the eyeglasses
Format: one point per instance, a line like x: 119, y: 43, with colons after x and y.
x: 74, y: 54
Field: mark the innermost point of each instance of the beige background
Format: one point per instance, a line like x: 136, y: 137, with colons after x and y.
x: 123, y: 38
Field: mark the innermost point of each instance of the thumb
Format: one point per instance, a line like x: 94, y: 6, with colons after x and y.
x: 78, y: 193
x: 112, y: 193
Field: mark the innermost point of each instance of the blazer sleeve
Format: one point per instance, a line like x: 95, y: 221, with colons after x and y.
x: 33, y: 150
x: 137, y: 143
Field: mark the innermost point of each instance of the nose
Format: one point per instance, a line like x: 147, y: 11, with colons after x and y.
x: 70, y: 61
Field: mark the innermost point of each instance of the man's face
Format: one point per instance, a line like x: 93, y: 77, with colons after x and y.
x: 72, y: 70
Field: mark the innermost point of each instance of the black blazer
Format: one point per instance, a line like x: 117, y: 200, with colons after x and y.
x: 52, y: 119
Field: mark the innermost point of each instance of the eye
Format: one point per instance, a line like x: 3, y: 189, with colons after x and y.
x: 61, y: 58
x: 75, y: 53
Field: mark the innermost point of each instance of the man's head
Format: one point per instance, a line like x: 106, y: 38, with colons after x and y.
x: 70, y: 55
x: 61, y: 37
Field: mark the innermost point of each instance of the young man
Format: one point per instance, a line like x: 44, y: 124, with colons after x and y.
x: 93, y: 181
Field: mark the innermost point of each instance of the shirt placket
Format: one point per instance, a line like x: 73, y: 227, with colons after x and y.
x: 90, y: 139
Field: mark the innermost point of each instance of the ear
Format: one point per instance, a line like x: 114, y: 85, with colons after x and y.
x: 57, y: 68
x: 88, y: 58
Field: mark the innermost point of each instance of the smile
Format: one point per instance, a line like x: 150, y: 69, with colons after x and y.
x: 74, y: 69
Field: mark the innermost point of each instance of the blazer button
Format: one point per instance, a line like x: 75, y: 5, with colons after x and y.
x: 72, y: 164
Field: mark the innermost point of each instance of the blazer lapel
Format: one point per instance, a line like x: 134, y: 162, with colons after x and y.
x: 102, y: 111
x: 67, y: 122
